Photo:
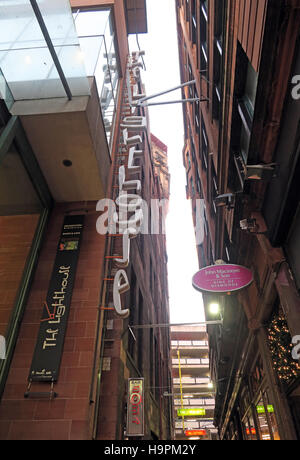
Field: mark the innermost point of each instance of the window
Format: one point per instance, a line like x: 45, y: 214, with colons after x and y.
x: 193, y: 21
x: 250, y: 432
x: 218, y: 52
x: 198, y: 184
x: 204, y: 145
x: 268, y: 428
x: 250, y: 89
x: 188, y: 161
x: 203, y: 35
x: 292, y: 247
x: 243, y: 110
x: 25, y: 203
x: 227, y: 247
x: 213, y: 187
x: 192, y: 188
x: 246, y: 105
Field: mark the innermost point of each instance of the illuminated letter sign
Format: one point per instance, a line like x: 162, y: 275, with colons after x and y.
x: 119, y: 289
x: 191, y: 412
x: 195, y: 433
x: 47, y: 355
x: 127, y: 203
x: 222, y: 278
x: 135, y: 407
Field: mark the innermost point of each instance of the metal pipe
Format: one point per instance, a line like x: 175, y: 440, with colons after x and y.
x: 149, y: 326
x: 51, y: 48
x: 143, y: 99
x: 179, y: 101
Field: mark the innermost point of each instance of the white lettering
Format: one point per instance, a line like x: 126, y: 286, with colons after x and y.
x: 2, y: 347
x: 296, y: 89
x: 200, y: 221
x: 133, y: 153
x: 130, y: 206
x: 128, y: 185
x: 134, y: 123
x: 118, y: 289
x: 105, y: 223
x: 51, y: 339
x: 126, y: 251
x: 131, y: 140
x: 296, y: 349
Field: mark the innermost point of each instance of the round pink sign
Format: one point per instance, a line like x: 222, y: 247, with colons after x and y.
x: 222, y: 278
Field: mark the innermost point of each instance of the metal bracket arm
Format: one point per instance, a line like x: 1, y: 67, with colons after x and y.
x: 142, y: 102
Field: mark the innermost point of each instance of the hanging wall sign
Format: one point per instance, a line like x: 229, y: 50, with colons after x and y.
x: 195, y: 412
x: 48, y: 351
x: 195, y: 432
x: 135, y: 407
x: 222, y: 278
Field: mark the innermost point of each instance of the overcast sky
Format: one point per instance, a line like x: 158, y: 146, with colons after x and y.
x: 166, y: 123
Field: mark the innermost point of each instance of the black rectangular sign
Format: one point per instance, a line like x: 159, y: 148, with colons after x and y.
x: 48, y: 351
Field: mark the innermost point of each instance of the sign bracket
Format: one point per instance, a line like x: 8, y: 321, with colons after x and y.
x: 40, y: 394
x: 142, y: 102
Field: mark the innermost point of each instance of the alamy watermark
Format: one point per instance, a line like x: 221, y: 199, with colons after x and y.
x: 296, y: 348
x: 2, y: 347
x: 296, y: 88
x: 129, y: 213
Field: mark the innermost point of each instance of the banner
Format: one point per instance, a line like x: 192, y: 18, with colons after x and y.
x: 49, y: 347
x: 135, y: 407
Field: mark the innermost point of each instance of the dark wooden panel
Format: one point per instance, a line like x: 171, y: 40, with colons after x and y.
x: 241, y: 20
x: 252, y: 22
x: 246, y: 25
x: 259, y: 30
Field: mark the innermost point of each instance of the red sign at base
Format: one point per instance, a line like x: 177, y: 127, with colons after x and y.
x: 195, y: 432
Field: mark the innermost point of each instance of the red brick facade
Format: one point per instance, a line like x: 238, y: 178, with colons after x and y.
x: 65, y: 417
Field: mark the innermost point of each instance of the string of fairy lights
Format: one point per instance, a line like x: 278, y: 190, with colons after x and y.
x: 280, y: 343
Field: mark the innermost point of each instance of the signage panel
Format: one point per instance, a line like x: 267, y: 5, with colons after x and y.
x: 195, y: 433
x: 222, y: 278
x: 261, y: 409
x: 135, y: 407
x: 49, y: 347
x: 190, y: 412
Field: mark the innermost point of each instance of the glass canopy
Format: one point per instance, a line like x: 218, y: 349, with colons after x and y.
x: 25, y: 58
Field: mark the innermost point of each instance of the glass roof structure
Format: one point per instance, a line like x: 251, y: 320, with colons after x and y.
x: 40, y: 55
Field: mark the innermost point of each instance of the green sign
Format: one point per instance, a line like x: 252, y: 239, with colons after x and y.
x: 261, y: 409
x: 190, y: 412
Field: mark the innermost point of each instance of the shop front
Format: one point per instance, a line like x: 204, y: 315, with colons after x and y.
x: 25, y: 203
x: 267, y: 403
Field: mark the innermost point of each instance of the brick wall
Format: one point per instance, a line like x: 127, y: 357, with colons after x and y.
x: 67, y: 416
x: 17, y: 233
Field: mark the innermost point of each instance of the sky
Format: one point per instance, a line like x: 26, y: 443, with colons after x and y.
x: 166, y: 123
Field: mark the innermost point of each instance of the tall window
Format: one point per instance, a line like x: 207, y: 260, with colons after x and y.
x: 243, y: 110
x: 193, y: 21
x: 203, y: 34
x: 204, y: 145
x: 25, y: 203
x: 218, y: 52
x: 292, y: 247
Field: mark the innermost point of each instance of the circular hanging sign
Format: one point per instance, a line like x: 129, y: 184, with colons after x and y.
x: 222, y: 278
